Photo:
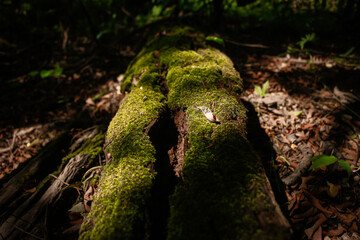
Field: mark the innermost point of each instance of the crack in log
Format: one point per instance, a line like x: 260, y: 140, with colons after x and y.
x: 163, y: 135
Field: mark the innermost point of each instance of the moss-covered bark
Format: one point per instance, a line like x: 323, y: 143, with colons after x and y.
x: 118, y: 209
x: 224, y: 190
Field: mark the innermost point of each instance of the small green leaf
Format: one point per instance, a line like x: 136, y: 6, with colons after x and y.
x: 349, y: 51
x: 322, y: 160
x: 33, y: 73
x: 258, y: 91
x: 215, y: 39
x: 58, y: 71
x: 265, y: 86
x: 296, y: 114
x: 346, y: 165
x: 156, y: 10
x: 283, y: 158
x: 102, y: 33
x: 46, y: 73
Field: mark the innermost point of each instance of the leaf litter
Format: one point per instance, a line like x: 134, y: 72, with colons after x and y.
x: 303, y: 118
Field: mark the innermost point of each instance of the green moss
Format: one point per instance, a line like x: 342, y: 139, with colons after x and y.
x: 145, y: 68
x: 208, y: 70
x: 222, y: 188
x: 119, y: 207
x: 118, y: 211
x: 142, y: 72
x: 221, y: 194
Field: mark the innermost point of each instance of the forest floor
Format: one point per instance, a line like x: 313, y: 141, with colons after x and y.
x: 310, y: 107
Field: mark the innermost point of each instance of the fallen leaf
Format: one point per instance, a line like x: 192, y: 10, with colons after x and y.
x: 335, y: 232
x: 90, y: 101
x: 31, y: 190
x: 332, y: 189
x: 77, y: 208
x: 318, y: 234
x: 310, y: 231
x: 76, y: 76
x: 307, y: 126
x: 316, y: 203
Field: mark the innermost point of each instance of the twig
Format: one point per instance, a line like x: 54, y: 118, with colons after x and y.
x: 90, y: 170
x: 52, y: 175
x: 297, y: 60
x: 11, y: 146
x: 30, y: 234
x: 251, y: 45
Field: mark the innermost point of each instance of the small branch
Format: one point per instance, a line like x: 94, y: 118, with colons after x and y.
x: 11, y: 146
x: 251, y: 45
x: 52, y: 175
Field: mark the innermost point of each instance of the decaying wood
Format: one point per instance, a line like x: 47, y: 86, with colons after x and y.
x: 28, y: 218
x: 31, y: 217
x: 177, y: 153
x: 222, y: 186
x: 12, y: 192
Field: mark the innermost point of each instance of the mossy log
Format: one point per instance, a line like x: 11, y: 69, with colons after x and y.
x: 221, y: 191
x: 30, y: 218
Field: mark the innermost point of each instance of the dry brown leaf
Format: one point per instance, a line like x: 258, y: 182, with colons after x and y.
x: 297, y: 201
x: 316, y: 203
x: 335, y: 232
x: 347, y: 219
x: 21, y: 159
x: 89, y: 101
x: 307, y: 126
x: 304, y: 181
x: 76, y: 76
x: 27, y: 155
x: 321, y: 218
x: 354, y: 227
x: 352, y: 153
x: 318, y: 234
x: 31, y: 190
x: 76, y: 98
x: 302, y: 136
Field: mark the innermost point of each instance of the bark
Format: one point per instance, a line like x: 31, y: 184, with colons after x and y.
x: 181, y: 166
x: 27, y: 216
x: 12, y: 192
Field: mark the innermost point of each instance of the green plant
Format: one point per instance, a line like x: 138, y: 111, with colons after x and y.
x: 261, y: 91
x: 326, y: 160
x: 215, y: 39
x: 45, y: 73
x: 308, y: 38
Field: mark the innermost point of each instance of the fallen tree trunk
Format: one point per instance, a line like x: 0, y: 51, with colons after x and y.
x: 182, y: 117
